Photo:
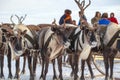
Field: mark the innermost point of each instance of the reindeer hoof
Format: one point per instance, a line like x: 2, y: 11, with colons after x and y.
x: 54, y: 78
x: 76, y: 78
x: 92, y: 77
x: 2, y: 77
x: 82, y: 78
x: 72, y: 74
x: 34, y: 74
x: 106, y: 78
x: 41, y: 77
x: 111, y: 79
x: 16, y: 76
x: 23, y: 72
x: 32, y: 78
x: 10, y: 76
x: 60, y: 78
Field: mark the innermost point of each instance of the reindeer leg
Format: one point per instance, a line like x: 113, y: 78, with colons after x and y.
x: 2, y: 65
x: 76, y: 66
x: 82, y: 68
x: 40, y: 60
x: 111, y: 68
x: 60, y: 67
x: 112, y: 63
x: 24, y: 63
x: 34, y: 64
x: 106, y: 59
x: 71, y: 64
x: 46, y: 69
x: 17, y: 75
x: 89, y: 66
x: 9, y: 63
x: 64, y: 59
x: 30, y: 66
x: 54, y: 77
x: 42, y: 72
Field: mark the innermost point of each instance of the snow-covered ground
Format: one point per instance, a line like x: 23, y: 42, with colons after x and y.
x: 66, y: 71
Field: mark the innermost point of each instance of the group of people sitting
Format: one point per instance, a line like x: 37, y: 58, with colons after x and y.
x: 98, y: 18
x: 104, y: 19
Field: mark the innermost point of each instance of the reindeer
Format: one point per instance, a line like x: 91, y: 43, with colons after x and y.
x: 2, y: 46
x: 109, y: 49
x: 9, y: 41
x: 25, y: 52
x: 108, y: 42
x: 74, y: 59
x: 56, y: 44
x: 6, y: 29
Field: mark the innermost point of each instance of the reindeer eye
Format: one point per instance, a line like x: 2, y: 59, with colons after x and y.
x: 58, y: 32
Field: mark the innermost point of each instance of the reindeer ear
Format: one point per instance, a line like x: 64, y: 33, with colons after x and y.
x: 53, y: 29
x: 4, y: 30
x: 24, y: 32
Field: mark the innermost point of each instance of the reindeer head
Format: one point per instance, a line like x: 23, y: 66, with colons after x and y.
x: 16, y: 27
x: 19, y: 30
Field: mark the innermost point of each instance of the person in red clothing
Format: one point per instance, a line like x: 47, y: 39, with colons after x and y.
x: 112, y: 18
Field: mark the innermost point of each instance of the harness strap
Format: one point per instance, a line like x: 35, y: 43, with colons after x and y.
x: 1, y: 45
x: 113, y: 39
x: 30, y: 39
x: 78, y: 42
x: 73, y: 38
x: 76, y: 45
x: 72, y: 34
x: 83, y: 37
x: 35, y: 37
x: 44, y: 47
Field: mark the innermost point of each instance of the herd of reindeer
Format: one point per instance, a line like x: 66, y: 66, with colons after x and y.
x: 51, y: 41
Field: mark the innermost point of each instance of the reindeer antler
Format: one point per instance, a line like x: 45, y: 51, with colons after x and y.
x: 11, y: 19
x: 87, y: 4
x: 18, y: 19
x: 54, y: 22
x: 23, y: 18
x: 81, y: 5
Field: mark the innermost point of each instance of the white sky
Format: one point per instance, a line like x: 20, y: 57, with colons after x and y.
x: 44, y: 11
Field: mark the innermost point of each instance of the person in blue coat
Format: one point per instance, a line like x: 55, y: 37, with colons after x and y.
x: 103, y: 23
x: 81, y: 15
x: 66, y: 18
x: 104, y: 20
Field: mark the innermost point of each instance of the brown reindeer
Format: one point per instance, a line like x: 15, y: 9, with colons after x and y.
x: 8, y: 38
x: 6, y: 31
